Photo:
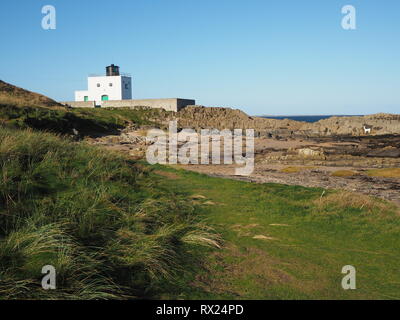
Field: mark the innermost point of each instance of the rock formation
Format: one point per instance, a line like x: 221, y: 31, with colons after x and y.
x: 199, y: 117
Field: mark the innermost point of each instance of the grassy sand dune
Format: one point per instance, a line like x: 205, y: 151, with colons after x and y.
x: 109, y: 229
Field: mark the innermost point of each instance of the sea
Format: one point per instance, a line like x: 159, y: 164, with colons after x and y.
x: 313, y: 118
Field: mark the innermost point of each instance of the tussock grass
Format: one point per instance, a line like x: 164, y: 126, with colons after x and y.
x: 350, y: 200
x: 108, y: 228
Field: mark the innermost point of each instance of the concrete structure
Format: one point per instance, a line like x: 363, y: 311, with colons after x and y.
x: 172, y: 104
x: 80, y: 104
x: 112, y: 86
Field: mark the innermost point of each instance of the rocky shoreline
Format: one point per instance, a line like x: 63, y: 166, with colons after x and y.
x: 199, y: 117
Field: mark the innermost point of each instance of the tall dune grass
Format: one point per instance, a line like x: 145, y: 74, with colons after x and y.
x: 108, y: 229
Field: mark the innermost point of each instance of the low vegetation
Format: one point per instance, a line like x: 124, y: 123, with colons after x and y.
x: 296, y: 169
x: 84, y: 122
x: 15, y: 96
x: 114, y: 228
x: 344, y: 173
x: 24, y: 109
x: 385, y: 173
x: 106, y: 225
x: 291, y: 242
x: 334, y: 202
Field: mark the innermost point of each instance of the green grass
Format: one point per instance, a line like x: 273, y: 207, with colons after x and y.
x: 109, y: 228
x: 310, y: 236
x: 86, y: 121
x: 114, y: 228
x: 25, y: 109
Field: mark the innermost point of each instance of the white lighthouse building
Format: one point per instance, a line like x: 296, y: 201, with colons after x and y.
x: 114, y: 90
x: 112, y: 86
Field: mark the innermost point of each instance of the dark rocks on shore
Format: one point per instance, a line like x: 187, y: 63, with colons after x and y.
x: 388, y: 152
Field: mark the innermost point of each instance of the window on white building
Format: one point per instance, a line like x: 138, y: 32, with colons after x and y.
x: 98, y: 85
x: 110, y: 84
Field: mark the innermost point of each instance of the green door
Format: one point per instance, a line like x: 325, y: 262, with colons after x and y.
x: 104, y: 98
x: 86, y: 98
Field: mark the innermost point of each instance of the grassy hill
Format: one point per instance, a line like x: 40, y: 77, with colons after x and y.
x: 24, y: 109
x: 15, y: 96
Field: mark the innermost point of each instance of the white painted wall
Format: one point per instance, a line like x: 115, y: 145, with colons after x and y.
x: 115, y: 87
x: 80, y: 95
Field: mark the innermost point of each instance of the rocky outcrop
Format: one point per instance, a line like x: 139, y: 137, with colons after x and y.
x: 199, y: 117
x: 311, y: 153
x: 387, y: 152
x: 376, y: 124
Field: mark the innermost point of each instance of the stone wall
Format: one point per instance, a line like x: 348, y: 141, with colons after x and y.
x: 173, y: 104
x: 79, y: 104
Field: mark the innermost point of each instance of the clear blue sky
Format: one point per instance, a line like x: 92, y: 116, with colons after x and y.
x: 262, y: 56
